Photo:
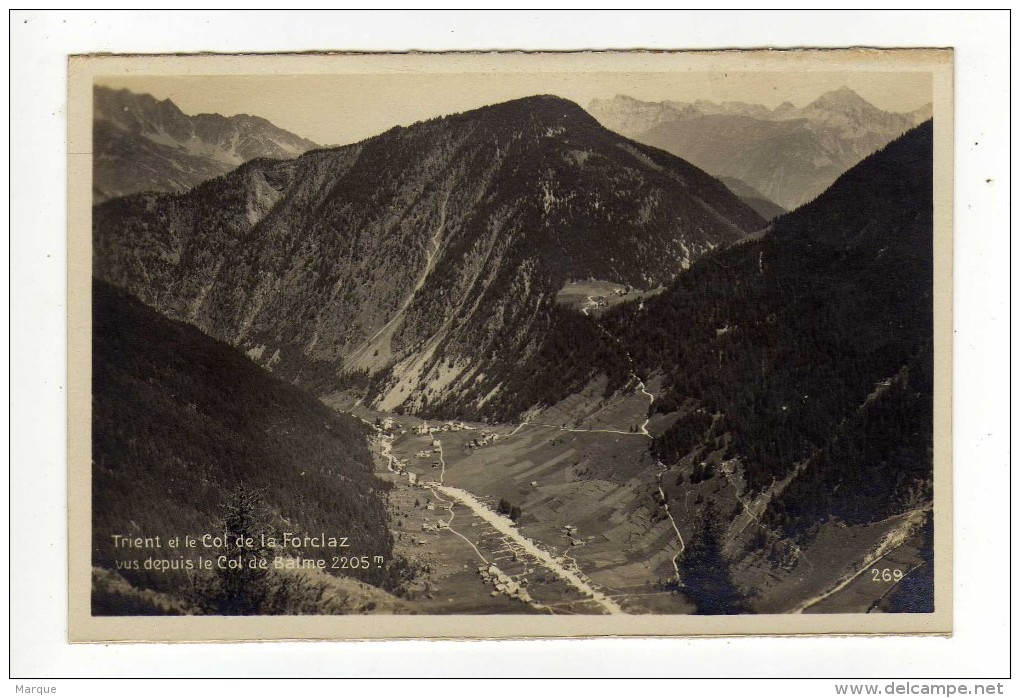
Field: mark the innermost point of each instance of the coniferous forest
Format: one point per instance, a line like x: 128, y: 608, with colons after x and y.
x: 812, y: 343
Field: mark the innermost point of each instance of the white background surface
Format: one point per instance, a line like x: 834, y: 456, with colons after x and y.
x: 40, y: 43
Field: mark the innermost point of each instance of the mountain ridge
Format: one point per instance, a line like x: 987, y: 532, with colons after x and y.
x: 419, y: 251
x: 789, y: 154
x: 141, y: 143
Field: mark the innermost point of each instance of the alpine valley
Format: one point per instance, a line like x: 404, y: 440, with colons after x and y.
x: 524, y: 363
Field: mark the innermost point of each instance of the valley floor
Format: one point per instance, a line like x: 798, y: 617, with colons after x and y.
x: 595, y: 534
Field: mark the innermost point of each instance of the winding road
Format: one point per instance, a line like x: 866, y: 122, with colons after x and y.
x: 679, y: 538
x: 643, y: 431
x: 445, y: 493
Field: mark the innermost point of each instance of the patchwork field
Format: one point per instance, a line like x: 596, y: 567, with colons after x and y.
x: 448, y: 557
x: 587, y: 497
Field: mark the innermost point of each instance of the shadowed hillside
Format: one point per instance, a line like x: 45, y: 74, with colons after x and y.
x: 180, y: 421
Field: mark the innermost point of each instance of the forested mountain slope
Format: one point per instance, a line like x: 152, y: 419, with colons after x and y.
x: 809, y: 348
x: 428, y: 256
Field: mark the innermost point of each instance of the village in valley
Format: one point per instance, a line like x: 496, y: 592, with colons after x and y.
x: 510, y: 584
x: 484, y: 512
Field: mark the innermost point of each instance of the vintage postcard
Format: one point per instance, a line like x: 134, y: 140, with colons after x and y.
x: 510, y: 344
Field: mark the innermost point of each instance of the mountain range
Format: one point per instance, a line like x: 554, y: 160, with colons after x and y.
x: 428, y: 257
x: 789, y: 155
x: 140, y: 143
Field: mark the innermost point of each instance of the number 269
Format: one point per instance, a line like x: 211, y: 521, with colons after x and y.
x: 886, y: 575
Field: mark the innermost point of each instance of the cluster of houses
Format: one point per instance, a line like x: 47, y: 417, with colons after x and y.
x: 415, y: 480
x: 601, y: 302
x: 390, y: 427
x: 485, y: 438
x: 400, y: 465
x: 503, y: 584
x: 425, y: 428
x: 571, y: 532
x: 436, y: 449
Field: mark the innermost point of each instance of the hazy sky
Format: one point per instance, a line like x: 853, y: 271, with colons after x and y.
x: 340, y: 109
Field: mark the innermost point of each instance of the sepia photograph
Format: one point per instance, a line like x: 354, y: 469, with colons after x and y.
x: 510, y: 345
